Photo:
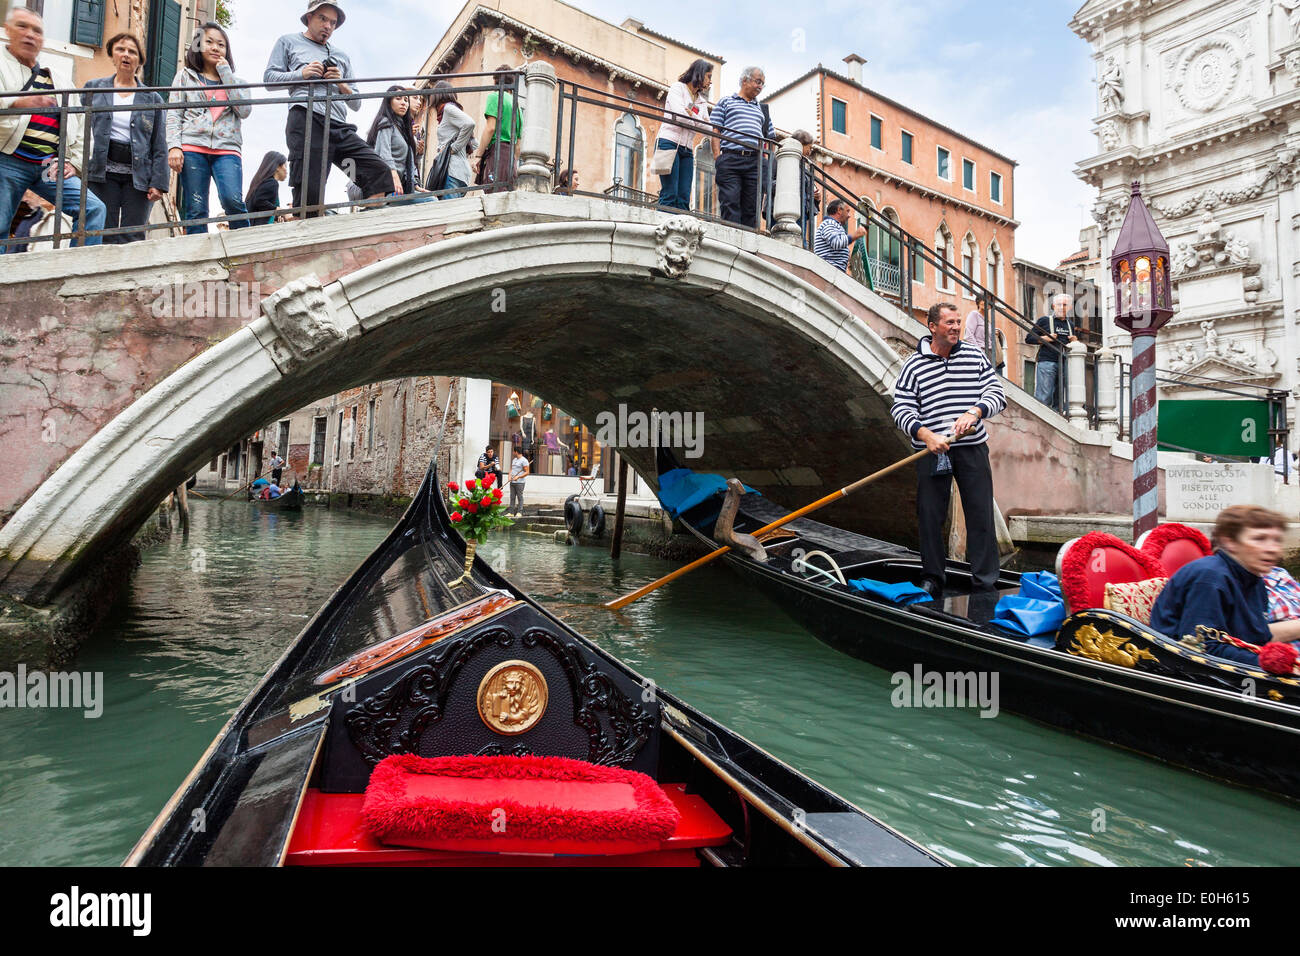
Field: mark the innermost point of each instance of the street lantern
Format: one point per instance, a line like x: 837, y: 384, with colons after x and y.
x: 1139, y: 269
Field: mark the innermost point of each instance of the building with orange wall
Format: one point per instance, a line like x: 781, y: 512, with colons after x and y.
x: 947, y: 190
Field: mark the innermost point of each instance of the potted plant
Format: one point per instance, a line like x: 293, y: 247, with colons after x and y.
x: 476, y: 511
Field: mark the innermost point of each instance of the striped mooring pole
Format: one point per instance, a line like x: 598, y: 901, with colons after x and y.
x: 1146, y: 494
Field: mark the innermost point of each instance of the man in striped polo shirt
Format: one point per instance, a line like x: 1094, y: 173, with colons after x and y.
x: 29, y: 143
x: 941, y: 398
x: 833, y: 238
x: 747, y: 123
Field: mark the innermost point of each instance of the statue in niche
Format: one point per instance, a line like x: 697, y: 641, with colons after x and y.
x: 1237, y: 249
x: 1111, y: 85
x: 1184, y: 257
x: 1211, y: 337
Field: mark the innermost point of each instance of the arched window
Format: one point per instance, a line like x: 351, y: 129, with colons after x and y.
x: 629, y: 152
x: 943, y: 247
x: 970, y: 257
x: 994, y: 262
x: 704, y: 179
x: 883, y: 243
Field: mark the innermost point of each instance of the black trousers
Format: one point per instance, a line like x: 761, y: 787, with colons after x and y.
x: 970, y: 466
x: 738, y: 184
x: 346, y: 150
x: 126, y: 205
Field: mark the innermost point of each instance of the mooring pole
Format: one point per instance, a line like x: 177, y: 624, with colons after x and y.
x: 183, y: 502
x: 616, y: 546
x: 1146, y: 494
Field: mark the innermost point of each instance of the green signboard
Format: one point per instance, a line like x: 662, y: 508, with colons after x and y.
x: 1228, y: 427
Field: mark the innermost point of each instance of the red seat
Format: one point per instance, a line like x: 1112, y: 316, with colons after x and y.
x: 1087, y: 564
x: 1174, y: 545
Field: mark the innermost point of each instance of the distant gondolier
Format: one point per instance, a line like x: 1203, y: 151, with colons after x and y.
x: 277, y: 469
x: 947, y: 389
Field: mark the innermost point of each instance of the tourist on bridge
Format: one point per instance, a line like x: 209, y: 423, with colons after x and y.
x: 1051, y: 333
x: 973, y: 335
x: 297, y: 58
x: 566, y: 182
x: 127, y: 168
x: 834, y: 237
x: 264, y: 189
x: 941, y: 398
x: 496, y: 163
x: 29, y: 142
x: 687, y: 104
x: 1226, y: 590
x: 740, y: 151
x: 393, y: 141
x: 519, y: 470
x: 810, y: 194
x: 204, y: 141
x: 456, y: 133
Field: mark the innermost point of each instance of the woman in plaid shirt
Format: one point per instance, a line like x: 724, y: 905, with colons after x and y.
x: 1283, y: 605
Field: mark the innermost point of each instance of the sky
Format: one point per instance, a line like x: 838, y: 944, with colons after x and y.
x: 1007, y: 73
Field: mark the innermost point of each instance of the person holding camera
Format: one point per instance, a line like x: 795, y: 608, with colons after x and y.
x: 298, y: 58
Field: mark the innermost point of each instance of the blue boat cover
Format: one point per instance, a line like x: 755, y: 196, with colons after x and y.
x: 682, y: 489
x: 904, y: 593
x: 260, y: 483
x: 1039, y: 608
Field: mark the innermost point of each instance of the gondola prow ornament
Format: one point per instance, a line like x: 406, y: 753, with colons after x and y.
x: 1139, y: 269
x: 475, y: 511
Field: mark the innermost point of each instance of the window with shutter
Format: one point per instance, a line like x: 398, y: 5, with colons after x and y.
x: 88, y: 22
x: 164, y: 42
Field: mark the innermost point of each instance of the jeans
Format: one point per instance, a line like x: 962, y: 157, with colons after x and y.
x: 737, y: 178
x: 457, y: 188
x: 126, y: 205
x: 675, y: 188
x: 1047, y: 376
x: 228, y: 172
x: 17, y: 176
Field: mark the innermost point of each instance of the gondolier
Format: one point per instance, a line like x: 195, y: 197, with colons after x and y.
x: 943, y: 394
x: 277, y: 469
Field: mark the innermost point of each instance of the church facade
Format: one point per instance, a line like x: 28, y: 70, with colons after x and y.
x: 1199, y: 100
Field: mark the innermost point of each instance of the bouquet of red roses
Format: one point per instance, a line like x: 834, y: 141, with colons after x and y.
x: 476, y: 510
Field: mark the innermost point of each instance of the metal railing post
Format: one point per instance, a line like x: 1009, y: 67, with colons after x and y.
x: 309, y: 126
x: 57, y: 171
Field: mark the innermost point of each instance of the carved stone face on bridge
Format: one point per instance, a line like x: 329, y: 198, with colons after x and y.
x: 676, y: 241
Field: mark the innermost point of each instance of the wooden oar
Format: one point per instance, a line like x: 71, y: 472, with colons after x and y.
x: 806, y: 509
x: 247, y: 486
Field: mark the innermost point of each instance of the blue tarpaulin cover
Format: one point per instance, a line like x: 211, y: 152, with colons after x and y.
x: 904, y: 593
x: 1039, y: 608
x: 682, y: 489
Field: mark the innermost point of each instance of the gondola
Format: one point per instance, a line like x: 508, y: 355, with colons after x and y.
x: 1103, y: 674
x: 291, y: 500
x: 404, y: 669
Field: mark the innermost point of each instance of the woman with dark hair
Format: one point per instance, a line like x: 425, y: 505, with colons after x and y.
x: 127, y: 168
x: 566, y: 183
x: 264, y: 190
x: 686, y: 110
x: 392, y: 140
x: 204, y: 139
x: 456, y: 133
x: 496, y: 163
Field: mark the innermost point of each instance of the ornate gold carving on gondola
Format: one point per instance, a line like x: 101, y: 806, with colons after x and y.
x: 1274, y: 695
x: 512, y: 697
x: 1109, y: 648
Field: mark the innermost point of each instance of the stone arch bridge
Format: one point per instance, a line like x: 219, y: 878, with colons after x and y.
x: 109, y: 405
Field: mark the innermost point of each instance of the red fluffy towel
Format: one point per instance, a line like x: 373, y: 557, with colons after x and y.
x: 546, y: 798
x: 1278, y: 657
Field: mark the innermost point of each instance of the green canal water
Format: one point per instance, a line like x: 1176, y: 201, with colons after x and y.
x: 206, y: 618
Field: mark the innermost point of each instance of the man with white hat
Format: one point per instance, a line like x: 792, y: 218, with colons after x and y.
x: 298, y: 58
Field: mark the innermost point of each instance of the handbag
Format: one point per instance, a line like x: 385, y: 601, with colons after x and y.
x: 437, y: 178
x: 663, y: 161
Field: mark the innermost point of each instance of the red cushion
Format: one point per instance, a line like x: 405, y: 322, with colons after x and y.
x: 516, y: 804
x: 1174, y: 545
x: 1098, y: 559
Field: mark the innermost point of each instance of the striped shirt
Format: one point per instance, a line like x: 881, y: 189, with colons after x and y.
x: 933, y: 393
x: 41, y: 139
x: 831, y: 242
x: 744, y: 119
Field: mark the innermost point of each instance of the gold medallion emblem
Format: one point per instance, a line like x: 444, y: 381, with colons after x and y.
x: 512, y: 697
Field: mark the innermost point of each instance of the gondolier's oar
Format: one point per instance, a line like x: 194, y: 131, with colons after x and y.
x: 247, y: 486
x: 806, y: 509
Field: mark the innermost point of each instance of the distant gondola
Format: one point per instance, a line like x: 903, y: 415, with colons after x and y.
x: 1102, y: 674
x: 291, y: 500
x: 398, y: 662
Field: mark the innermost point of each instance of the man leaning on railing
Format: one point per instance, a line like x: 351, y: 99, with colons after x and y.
x: 833, y: 237
x: 29, y: 143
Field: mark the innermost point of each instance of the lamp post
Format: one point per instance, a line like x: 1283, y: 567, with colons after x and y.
x: 1139, y: 269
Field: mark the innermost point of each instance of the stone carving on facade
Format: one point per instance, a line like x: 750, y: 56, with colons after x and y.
x: 1108, y: 133
x: 302, y: 316
x: 1184, y: 357
x: 1111, y: 86
x: 676, y: 241
x: 1205, y: 73
x: 1292, y: 65
x: 1292, y: 8
x: 1282, y: 168
x: 1211, y: 337
x: 1183, y: 259
x: 1236, y: 249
